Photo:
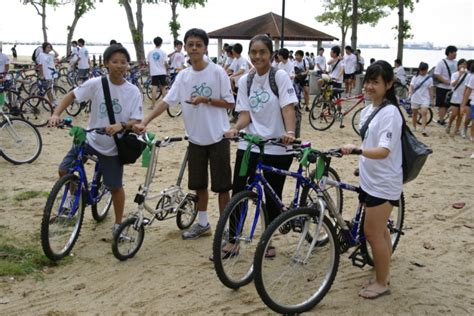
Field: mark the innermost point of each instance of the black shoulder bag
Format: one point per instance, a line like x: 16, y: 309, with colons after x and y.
x: 128, y: 146
x: 414, y: 152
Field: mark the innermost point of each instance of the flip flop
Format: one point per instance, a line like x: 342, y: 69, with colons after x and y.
x: 270, y: 253
x: 369, y: 282
x: 225, y: 254
x: 373, y: 294
x: 459, y: 205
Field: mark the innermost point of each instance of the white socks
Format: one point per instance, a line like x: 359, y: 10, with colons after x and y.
x: 202, y: 218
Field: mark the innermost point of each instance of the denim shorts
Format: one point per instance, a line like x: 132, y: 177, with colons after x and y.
x: 109, y: 166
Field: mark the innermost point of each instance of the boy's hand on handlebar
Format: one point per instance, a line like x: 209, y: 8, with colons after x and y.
x: 54, y: 120
x: 348, y: 149
x: 139, y: 128
x: 288, y: 138
x: 231, y: 133
x: 113, y: 129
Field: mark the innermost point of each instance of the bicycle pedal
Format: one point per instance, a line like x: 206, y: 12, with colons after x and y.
x: 358, y: 259
x: 146, y: 221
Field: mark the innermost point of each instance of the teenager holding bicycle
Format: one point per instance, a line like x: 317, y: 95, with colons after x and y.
x: 205, y: 95
x: 271, y: 119
x: 381, y: 174
x: 47, y: 66
x: 127, y: 100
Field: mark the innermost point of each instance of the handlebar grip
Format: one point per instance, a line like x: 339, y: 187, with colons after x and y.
x: 356, y: 151
x: 175, y: 139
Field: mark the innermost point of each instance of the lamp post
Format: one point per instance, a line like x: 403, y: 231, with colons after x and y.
x: 282, y: 35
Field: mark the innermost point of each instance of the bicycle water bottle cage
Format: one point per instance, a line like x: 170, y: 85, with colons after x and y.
x: 79, y: 135
x: 252, y: 140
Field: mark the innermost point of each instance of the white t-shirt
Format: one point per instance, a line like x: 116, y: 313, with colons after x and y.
x: 265, y: 107
x: 38, y: 51
x: 157, y: 61
x: 321, y: 61
x: 177, y: 60
x: 229, y: 61
x: 3, y: 61
x: 126, y: 102
x: 239, y: 64
x: 289, y: 68
x: 74, y: 55
x: 47, y: 63
x: 382, y: 178
x: 459, y: 92
x: 400, y: 74
x: 335, y: 72
x: 350, y: 63
x: 470, y: 84
x: 83, y: 58
x: 422, y: 95
x: 205, y: 124
x: 442, y: 70
x: 303, y: 64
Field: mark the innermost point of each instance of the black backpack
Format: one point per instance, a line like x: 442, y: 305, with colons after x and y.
x: 271, y: 78
x: 33, y: 57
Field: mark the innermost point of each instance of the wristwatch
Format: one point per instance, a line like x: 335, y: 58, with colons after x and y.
x: 209, y: 100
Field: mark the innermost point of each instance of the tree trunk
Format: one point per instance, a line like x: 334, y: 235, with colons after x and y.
x: 174, y: 17
x: 70, y: 34
x: 343, y: 40
x: 43, y: 21
x: 355, y: 20
x: 401, y: 28
x: 136, y: 31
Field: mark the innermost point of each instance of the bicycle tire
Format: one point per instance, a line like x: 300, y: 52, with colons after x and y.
x: 187, y: 213
x: 428, y: 119
x: 37, y: 110
x: 103, y: 201
x: 128, y: 233
x: 395, y: 228
x: 149, y: 93
x: 356, y: 120
x: 291, y: 282
x: 235, y: 268
x: 54, y: 214
x: 322, y: 115
x: 174, y: 111
x: 20, y: 141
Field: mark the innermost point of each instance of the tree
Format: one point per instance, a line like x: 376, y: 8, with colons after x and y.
x: 81, y: 7
x: 403, y: 28
x: 174, y: 24
x: 337, y: 12
x: 40, y: 7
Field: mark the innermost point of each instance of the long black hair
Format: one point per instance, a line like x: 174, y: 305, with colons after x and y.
x: 383, y: 69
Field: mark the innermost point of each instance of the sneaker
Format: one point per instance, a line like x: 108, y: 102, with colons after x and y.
x: 197, y: 231
x: 115, y: 229
x: 463, y: 132
x: 307, y: 109
x: 440, y: 123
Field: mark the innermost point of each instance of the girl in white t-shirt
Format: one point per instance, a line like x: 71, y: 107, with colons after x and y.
x: 458, y: 82
x: 127, y: 110
x: 422, y: 96
x: 270, y: 117
x: 381, y: 174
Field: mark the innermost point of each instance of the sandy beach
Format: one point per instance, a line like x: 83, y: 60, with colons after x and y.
x: 432, y: 269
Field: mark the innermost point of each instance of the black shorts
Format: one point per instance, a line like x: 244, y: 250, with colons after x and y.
x: 441, y: 97
x: 456, y: 105
x: 218, y: 157
x: 349, y: 76
x: 159, y: 80
x: 371, y: 201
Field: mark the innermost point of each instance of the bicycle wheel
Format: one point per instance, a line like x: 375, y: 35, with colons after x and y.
x: 187, y: 213
x: 20, y: 141
x: 58, y: 93
x: 128, y: 239
x: 429, y: 117
x: 62, y: 217
x: 235, y: 239
x: 103, y: 200
x: 148, y: 88
x: 174, y: 111
x: 394, y: 225
x: 300, y: 275
x: 322, y: 115
x: 356, y: 120
x: 36, y: 110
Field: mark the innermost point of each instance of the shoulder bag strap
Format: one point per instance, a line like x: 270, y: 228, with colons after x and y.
x: 364, y: 128
x: 447, y: 67
x: 460, y: 82
x: 108, y: 103
x: 419, y: 86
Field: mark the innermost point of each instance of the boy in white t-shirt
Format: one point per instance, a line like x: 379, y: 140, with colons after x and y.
x: 127, y: 110
x: 84, y: 63
x: 158, y: 70
x: 205, y: 95
x: 239, y: 66
x: 176, y: 58
x: 422, y: 96
x: 285, y: 63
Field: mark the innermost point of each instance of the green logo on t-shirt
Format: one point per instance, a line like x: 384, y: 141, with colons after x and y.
x: 116, y: 107
x: 258, y: 99
x: 201, y: 90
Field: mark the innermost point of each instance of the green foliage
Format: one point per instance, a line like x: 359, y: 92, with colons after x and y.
x: 136, y: 36
x: 406, y: 30
x: 174, y: 27
x: 83, y: 6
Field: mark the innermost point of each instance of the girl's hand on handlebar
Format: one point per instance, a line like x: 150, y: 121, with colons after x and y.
x: 139, y: 128
x: 348, y: 149
x: 231, y: 133
x: 288, y: 138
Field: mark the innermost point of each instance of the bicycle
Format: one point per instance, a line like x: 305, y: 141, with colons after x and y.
x: 172, y: 111
x: 326, y: 111
x: 35, y: 109
x: 171, y: 201
x: 64, y: 210
x: 20, y: 141
x: 304, y: 270
x: 49, y: 88
x: 245, y: 217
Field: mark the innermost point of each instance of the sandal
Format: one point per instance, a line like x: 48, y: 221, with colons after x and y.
x: 371, y: 294
x: 270, y: 253
x: 369, y: 282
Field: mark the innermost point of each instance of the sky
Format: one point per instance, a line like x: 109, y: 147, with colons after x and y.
x: 442, y: 22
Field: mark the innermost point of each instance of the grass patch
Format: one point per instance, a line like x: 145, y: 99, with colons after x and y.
x: 27, y: 195
x: 19, y: 258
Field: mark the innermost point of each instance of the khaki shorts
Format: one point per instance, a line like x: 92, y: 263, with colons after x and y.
x: 217, y: 156
x: 418, y: 106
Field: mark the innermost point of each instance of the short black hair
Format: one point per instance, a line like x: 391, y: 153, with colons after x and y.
x: 113, y: 49
x: 349, y: 48
x: 228, y: 49
x: 237, y: 48
x: 423, y: 66
x: 283, y: 52
x: 157, y: 41
x: 197, y: 33
x: 398, y: 61
x: 177, y: 42
x: 299, y: 52
x: 46, y: 44
x: 81, y: 41
x: 321, y: 49
x: 113, y: 42
x: 450, y: 49
x: 336, y: 50
x: 74, y: 42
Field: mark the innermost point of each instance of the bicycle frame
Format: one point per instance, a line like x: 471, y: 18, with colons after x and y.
x: 339, y: 101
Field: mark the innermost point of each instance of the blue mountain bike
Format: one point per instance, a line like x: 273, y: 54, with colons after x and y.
x: 64, y: 210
